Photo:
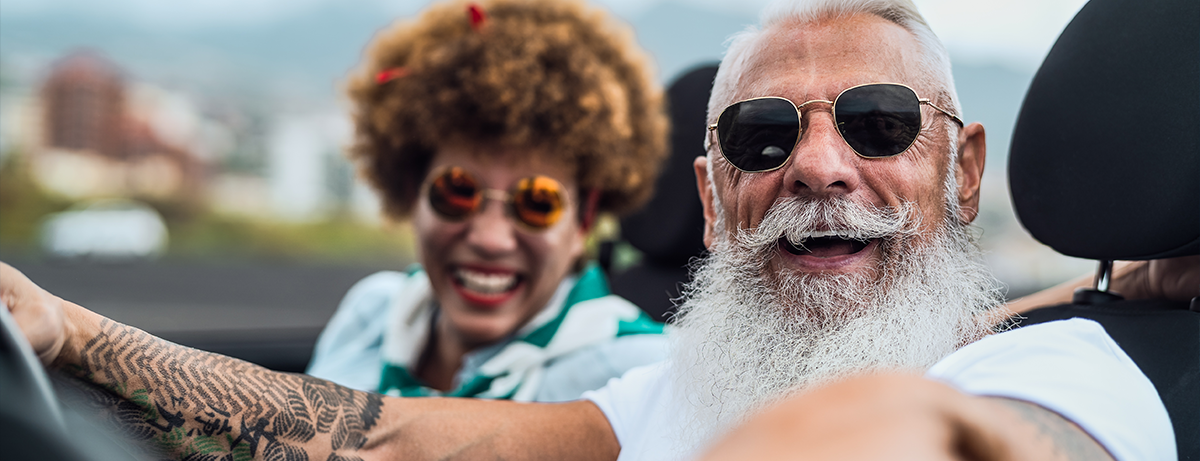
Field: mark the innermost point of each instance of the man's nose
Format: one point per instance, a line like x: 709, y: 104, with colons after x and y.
x: 490, y: 232
x: 822, y: 164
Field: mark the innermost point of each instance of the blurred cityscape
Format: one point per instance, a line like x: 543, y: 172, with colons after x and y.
x: 84, y: 131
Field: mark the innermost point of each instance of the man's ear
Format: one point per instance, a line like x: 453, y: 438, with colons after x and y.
x: 972, y: 154
x: 706, y: 198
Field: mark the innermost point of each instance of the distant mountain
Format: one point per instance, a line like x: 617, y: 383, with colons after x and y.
x: 307, y: 53
x: 304, y: 56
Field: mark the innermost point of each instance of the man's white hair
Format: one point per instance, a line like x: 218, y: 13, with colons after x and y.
x: 933, y: 70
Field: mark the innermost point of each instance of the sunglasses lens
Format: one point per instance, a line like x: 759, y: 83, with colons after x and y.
x: 759, y: 134
x: 878, y: 120
x: 538, y: 201
x: 454, y: 193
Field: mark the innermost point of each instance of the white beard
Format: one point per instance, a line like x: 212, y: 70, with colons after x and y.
x: 748, y: 336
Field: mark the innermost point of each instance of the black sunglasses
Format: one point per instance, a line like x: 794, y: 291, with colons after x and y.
x: 876, y: 120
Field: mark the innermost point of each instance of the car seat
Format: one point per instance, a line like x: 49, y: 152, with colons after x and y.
x: 1105, y: 165
x: 669, y: 230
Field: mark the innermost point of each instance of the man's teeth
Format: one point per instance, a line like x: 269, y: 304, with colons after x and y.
x: 826, y: 243
x: 842, y: 234
x: 795, y: 249
x: 486, y: 283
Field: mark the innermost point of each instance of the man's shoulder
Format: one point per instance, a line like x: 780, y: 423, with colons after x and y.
x: 632, y: 386
x: 1033, y: 345
x: 1073, y: 368
x: 646, y: 412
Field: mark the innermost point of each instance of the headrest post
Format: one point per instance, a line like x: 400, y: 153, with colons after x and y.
x: 1104, y: 275
x: 1099, y: 294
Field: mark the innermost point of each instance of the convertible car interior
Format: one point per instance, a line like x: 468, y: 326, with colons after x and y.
x: 1105, y: 165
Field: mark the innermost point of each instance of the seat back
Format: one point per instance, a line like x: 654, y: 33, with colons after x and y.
x: 669, y: 230
x: 1105, y: 165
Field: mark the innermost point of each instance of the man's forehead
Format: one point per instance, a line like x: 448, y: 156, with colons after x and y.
x: 817, y: 59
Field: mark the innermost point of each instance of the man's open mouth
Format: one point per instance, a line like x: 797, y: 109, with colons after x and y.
x: 825, y: 246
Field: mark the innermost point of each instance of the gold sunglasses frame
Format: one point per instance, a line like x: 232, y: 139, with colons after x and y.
x: 833, y: 109
x: 505, y: 197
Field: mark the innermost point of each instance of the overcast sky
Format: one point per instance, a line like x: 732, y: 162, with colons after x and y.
x: 1019, y: 32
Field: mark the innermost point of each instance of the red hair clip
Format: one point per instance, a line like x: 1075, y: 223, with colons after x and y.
x: 390, y: 74
x: 475, y: 12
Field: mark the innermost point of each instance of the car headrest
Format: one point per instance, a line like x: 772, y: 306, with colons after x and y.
x: 669, y: 230
x: 1105, y: 160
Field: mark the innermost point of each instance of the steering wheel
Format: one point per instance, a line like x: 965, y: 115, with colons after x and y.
x: 26, y: 387
x: 33, y: 425
x: 31, y: 422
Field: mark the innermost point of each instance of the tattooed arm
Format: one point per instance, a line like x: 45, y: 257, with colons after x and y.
x: 193, y: 405
x: 906, y: 417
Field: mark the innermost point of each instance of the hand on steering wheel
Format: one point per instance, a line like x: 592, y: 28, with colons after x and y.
x: 37, y: 313
x: 27, y: 389
x: 32, y: 332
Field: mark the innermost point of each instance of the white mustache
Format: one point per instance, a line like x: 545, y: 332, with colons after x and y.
x: 799, y: 219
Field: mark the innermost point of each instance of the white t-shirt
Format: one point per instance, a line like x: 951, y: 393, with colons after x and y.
x: 1071, y: 367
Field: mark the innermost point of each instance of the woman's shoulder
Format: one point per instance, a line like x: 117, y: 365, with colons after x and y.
x: 374, y: 293
x: 591, y: 367
x: 350, y: 343
x: 383, y: 281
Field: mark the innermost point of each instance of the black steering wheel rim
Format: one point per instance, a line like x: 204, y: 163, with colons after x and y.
x: 25, y: 383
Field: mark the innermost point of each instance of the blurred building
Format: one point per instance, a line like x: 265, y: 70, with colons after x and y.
x: 84, y: 102
x: 96, y: 143
x: 307, y: 178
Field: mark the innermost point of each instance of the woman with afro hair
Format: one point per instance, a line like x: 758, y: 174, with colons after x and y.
x: 500, y: 128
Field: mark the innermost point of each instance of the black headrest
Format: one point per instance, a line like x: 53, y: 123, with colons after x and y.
x: 670, y: 229
x: 1105, y: 160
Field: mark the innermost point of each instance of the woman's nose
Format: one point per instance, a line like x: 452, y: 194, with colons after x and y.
x: 491, y: 232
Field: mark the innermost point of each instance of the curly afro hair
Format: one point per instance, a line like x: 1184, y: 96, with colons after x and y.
x: 551, y: 74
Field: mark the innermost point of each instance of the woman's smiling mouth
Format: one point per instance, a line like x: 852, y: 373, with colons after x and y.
x: 485, y: 282
x: 485, y: 288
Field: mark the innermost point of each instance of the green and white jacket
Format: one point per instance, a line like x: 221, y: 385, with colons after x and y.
x: 582, y: 338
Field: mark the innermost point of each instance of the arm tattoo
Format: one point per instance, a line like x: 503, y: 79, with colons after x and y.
x: 197, y: 406
x: 1067, y: 438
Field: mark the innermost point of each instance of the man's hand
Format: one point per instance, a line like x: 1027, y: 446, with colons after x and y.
x: 1175, y: 279
x: 38, y: 313
x: 867, y: 418
x: 905, y: 417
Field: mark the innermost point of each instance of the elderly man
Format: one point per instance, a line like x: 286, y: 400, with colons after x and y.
x: 837, y: 186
